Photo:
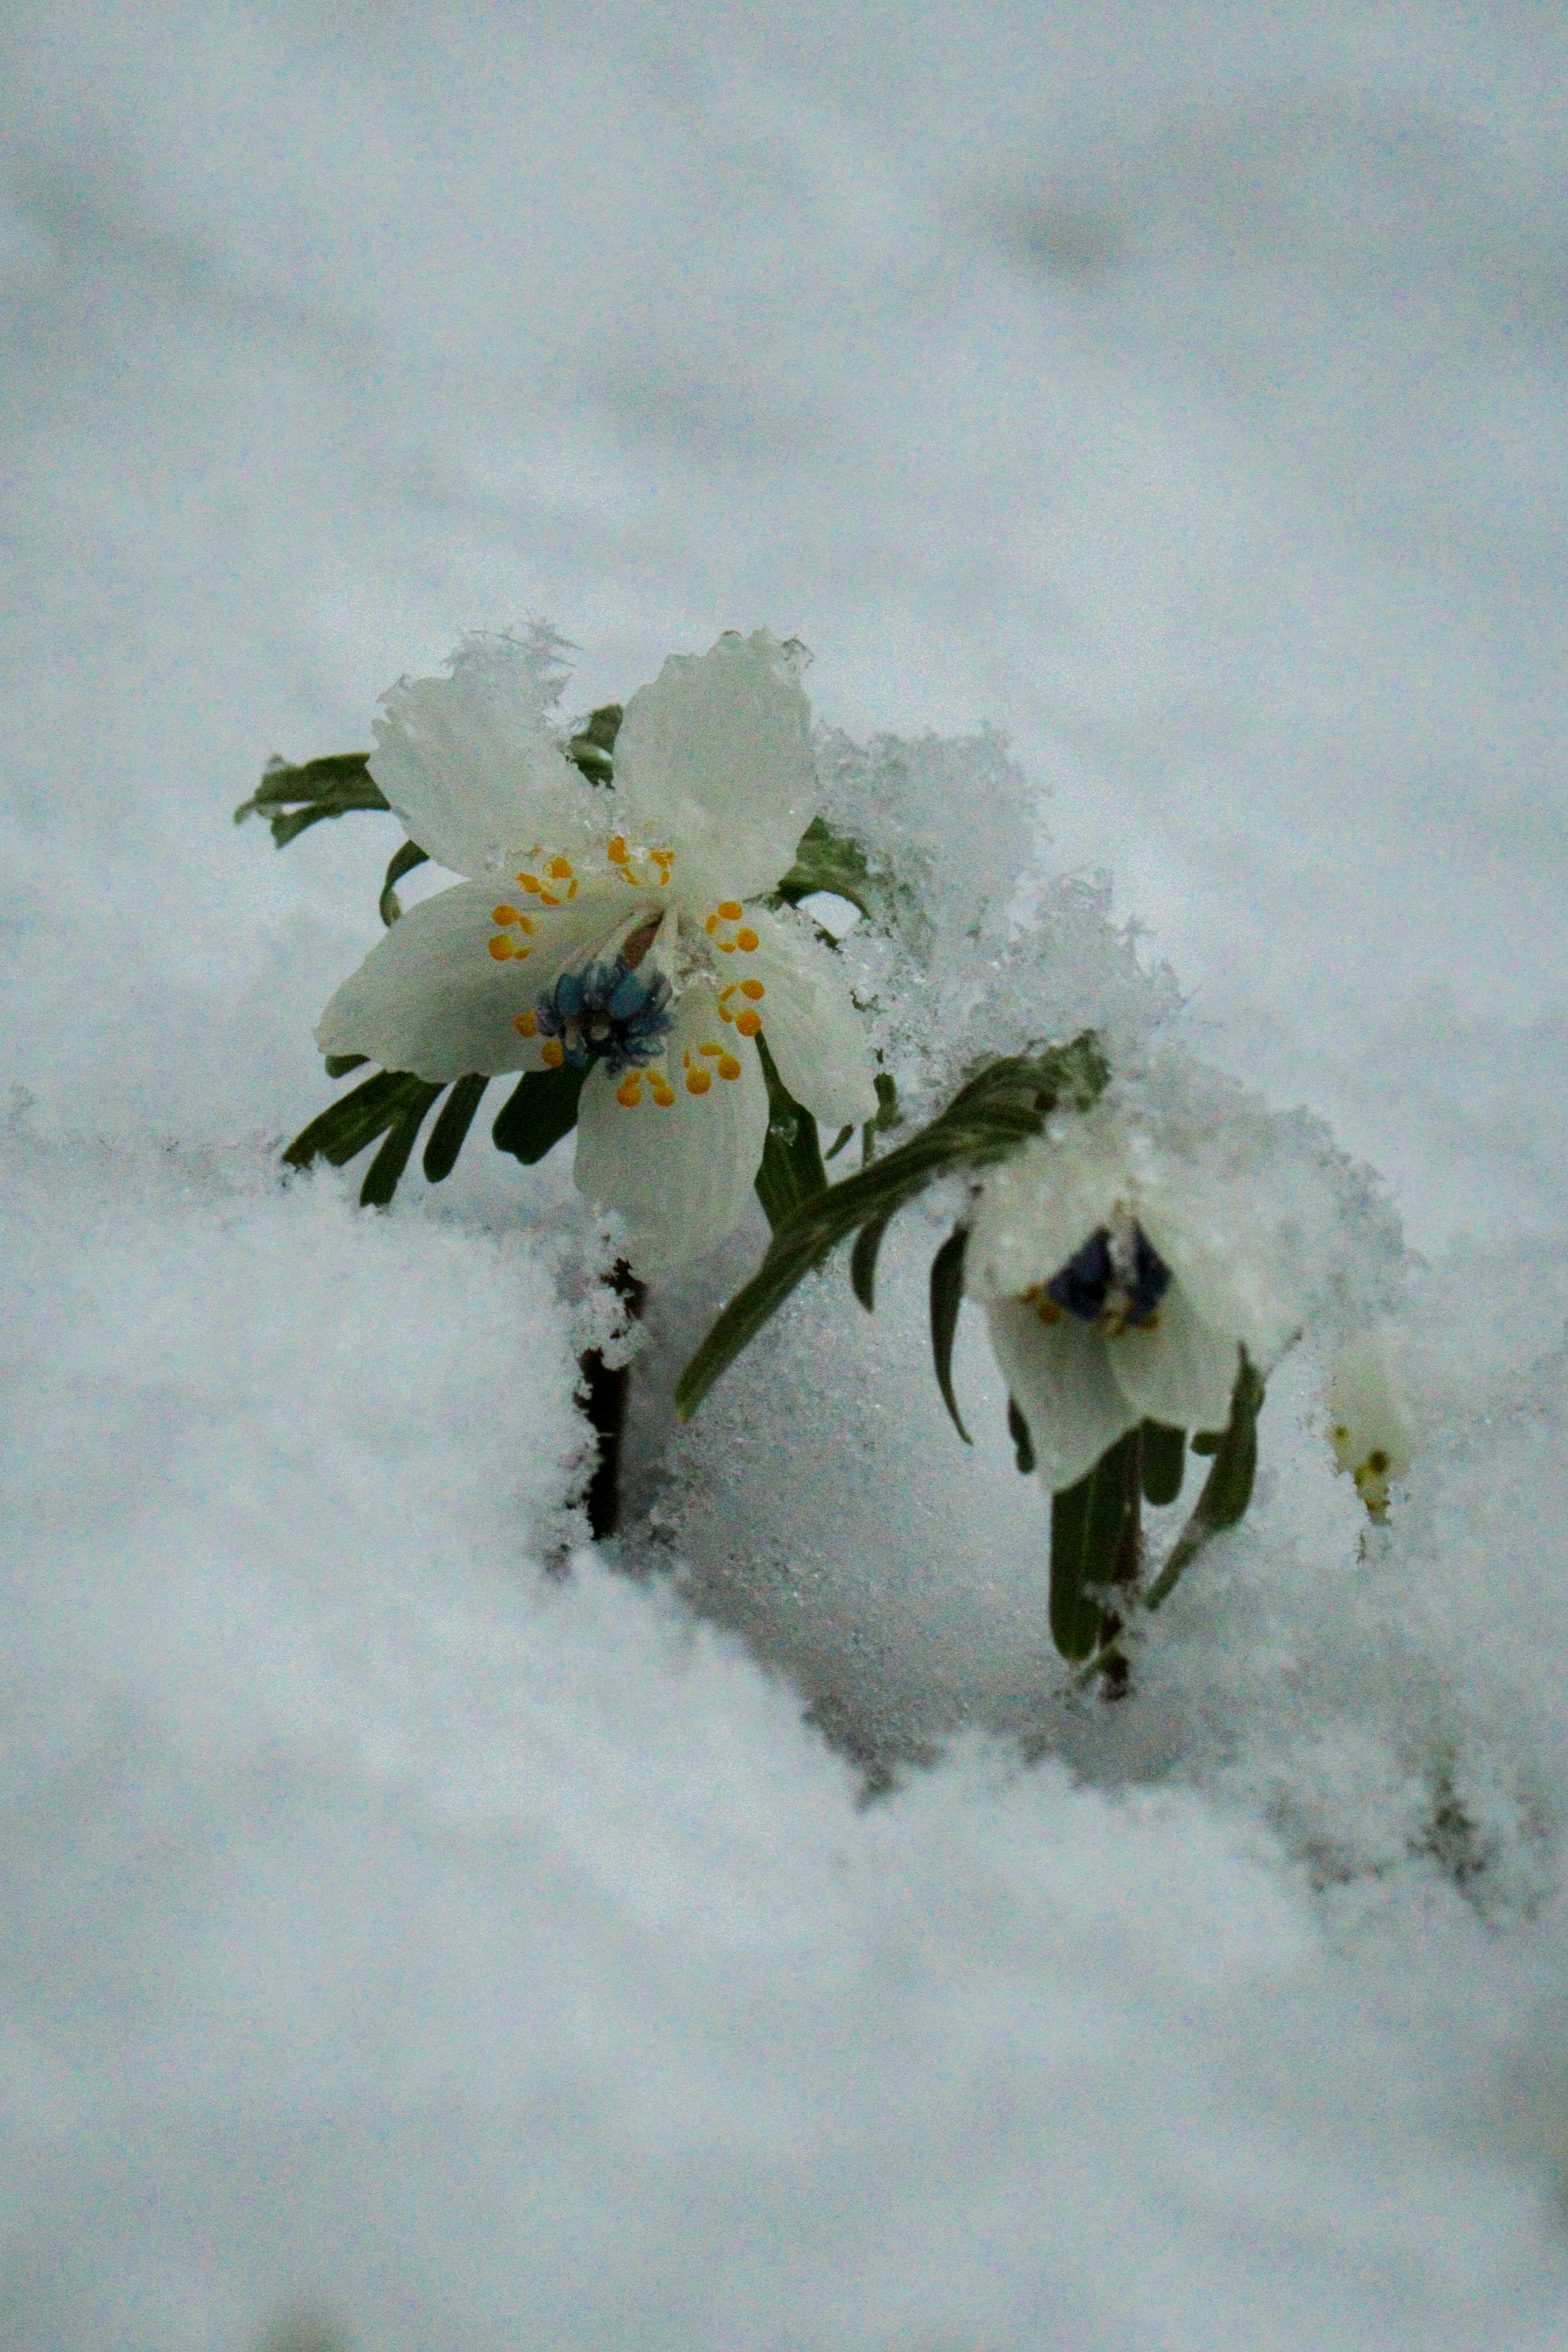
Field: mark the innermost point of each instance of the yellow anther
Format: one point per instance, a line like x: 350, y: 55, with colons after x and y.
x: 728, y: 1067
x: 726, y: 947
x: 629, y: 1093
x: 686, y: 1057
x: 753, y: 989
x: 663, y: 1094
x: 560, y: 869
x: 698, y: 1082
x: 530, y: 881
x: 731, y: 909
x: 571, y: 889
x: 501, y: 948
x: 547, y: 899
x: 747, y: 939
x: 615, y: 849
x: 712, y: 925
x: 710, y: 1046
x: 748, y: 1023
x: 524, y: 1024
x: 506, y: 914
x: 552, y: 1053
x: 723, y: 1012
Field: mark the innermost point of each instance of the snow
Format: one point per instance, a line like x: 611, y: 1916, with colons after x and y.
x: 416, y: 1918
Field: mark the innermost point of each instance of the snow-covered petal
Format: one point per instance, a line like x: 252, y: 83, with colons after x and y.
x: 1174, y: 1368
x: 714, y: 757
x: 680, y: 1171
x: 814, y: 1033
x: 469, y: 767
x: 1372, y: 1422
x: 1041, y: 1205
x: 433, y: 998
x: 1061, y: 1380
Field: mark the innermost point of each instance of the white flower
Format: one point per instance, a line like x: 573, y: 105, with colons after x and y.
x: 610, y: 927
x: 1121, y: 1277
x: 1373, y: 1421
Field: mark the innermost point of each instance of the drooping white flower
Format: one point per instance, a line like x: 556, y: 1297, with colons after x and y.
x: 611, y: 927
x: 1121, y: 1277
x: 1372, y: 1418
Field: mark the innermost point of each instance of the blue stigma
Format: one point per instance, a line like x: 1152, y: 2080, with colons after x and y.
x: 1119, y: 1281
x: 607, y: 1011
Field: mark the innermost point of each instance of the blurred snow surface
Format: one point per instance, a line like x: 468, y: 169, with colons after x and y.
x: 413, y: 1918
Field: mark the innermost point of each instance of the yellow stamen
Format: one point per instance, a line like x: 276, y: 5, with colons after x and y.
x: 748, y: 1023
x: 662, y: 1096
x: 524, y: 1024
x: 712, y: 925
x: 615, y: 849
x: 747, y: 939
x: 726, y: 947
x: 552, y: 1053
x: 501, y: 948
x: 728, y: 1067
x: 731, y: 909
x: 530, y: 881
x: 753, y: 989
x: 560, y: 869
x: 710, y: 1046
x: 698, y: 1082
x: 506, y: 914
x: 629, y: 1093
x: 547, y: 899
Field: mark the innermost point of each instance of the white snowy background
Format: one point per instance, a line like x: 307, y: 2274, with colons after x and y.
x: 472, y: 1956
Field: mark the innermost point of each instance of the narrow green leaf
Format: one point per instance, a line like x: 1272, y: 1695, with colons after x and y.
x: 343, y: 1130
x: 1090, y: 1527
x: 1164, y: 1462
x: 791, y: 1171
x: 386, y: 1169
x: 839, y: 1140
x: 828, y: 860
x: 863, y: 1261
x: 537, y: 1113
x: 293, y: 797
x: 449, y: 1132
x: 1023, y: 1443
x: 339, y: 1065
x: 887, y: 1116
x: 989, y: 1118
x: 592, y: 748
x: 1226, y: 1490
x: 946, y: 1298
x: 402, y: 861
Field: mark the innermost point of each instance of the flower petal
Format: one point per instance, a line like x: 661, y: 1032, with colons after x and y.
x: 714, y: 758
x: 468, y: 766
x: 1177, y: 1369
x: 1039, y: 1207
x: 430, y: 997
x: 1063, y: 1384
x: 680, y: 1172
x: 816, y: 1037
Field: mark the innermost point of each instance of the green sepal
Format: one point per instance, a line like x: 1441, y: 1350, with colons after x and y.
x: 339, y: 1065
x: 342, y: 1130
x: 946, y: 1298
x: 1226, y: 1490
x: 886, y: 1115
x: 293, y: 797
x: 537, y: 1113
x: 1023, y: 1443
x: 790, y: 1172
x: 1091, y: 1524
x: 826, y: 860
x: 1163, y: 1461
x: 386, y: 1169
x: 999, y: 1110
x: 592, y: 748
x: 402, y: 861
x: 838, y: 1143
x: 863, y: 1261
x: 449, y: 1132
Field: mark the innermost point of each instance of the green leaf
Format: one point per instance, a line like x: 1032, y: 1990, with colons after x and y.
x: 341, y: 1132
x: 946, y: 1298
x: 827, y: 860
x: 1091, y: 1526
x: 1023, y: 1443
x: 839, y: 1142
x: 537, y: 1113
x: 863, y: 1261
x: 592, y: 748
x: 292, y: 797
x: 402, y: 861
x: 887, y: 1116
x: 339, y: 1065
x: 386, y: 1169
x: 1226, y: 1490
x: 449, y: 1132
x: 999, y: 1109
x: 1163, y: 1461
x: 792, y: 1170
